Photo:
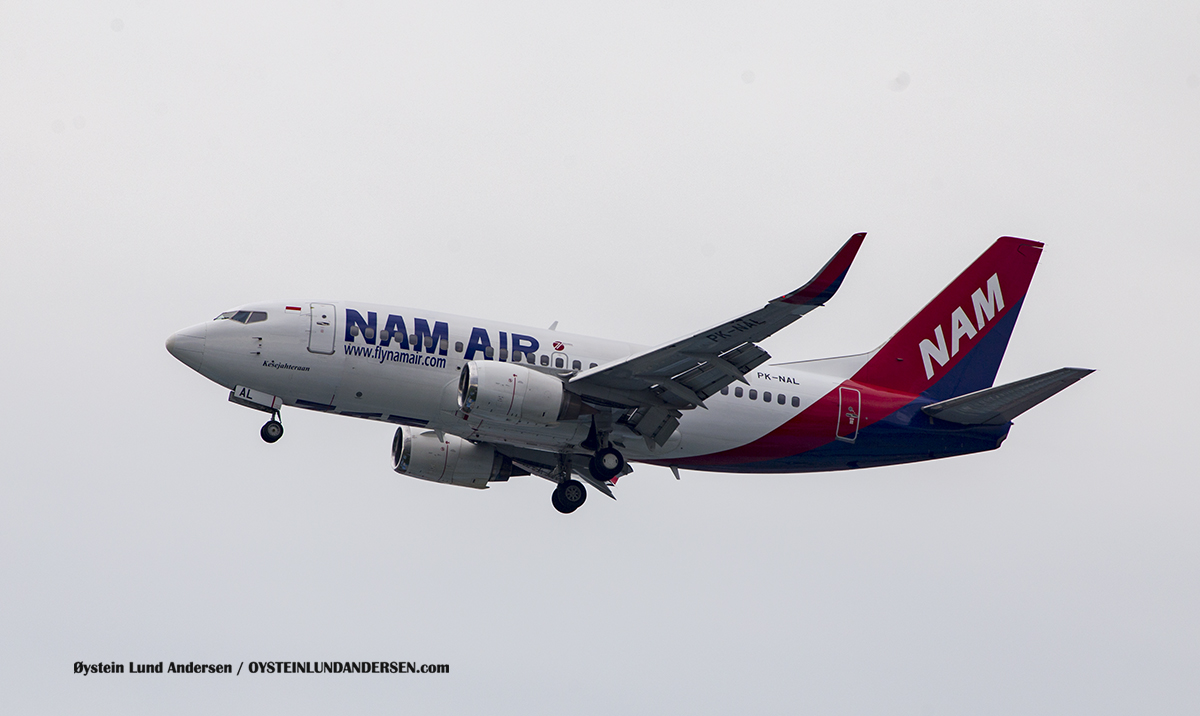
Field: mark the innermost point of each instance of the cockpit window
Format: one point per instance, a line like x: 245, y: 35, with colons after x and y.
x: 242, y: 316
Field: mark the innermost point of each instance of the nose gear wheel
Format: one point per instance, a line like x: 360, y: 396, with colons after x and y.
x: 272, y: 431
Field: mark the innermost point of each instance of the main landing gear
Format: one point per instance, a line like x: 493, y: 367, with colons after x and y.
x: 606, y: 463
x: 568, y: 496
x: 273, y: 430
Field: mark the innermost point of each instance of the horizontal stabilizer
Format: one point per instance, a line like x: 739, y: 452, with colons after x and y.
x: 998, y: 405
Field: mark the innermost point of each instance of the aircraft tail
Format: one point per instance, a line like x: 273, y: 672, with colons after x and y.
x: 955, y: 344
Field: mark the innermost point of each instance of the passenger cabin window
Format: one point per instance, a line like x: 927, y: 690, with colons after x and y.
x: 529, y: 358
x: 753, y: 394
x: 576, y: 365
x: 782, y: 399
x: 737, y: 392
x: 503, y: 354
x: 795, y: 402
x: 766, y: 396
x: 559, y: 363
x: 725, y: 390
x: 517, y: 356
x: 458, y: 347
x: 545, y: 359
x: 592, y: 366
x: 488, y: 353
x: 369, y: 333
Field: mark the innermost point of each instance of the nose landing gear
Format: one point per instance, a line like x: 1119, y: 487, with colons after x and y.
x: 273, y: 430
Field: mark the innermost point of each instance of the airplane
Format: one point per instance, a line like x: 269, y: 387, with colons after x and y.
x: 479, y: 401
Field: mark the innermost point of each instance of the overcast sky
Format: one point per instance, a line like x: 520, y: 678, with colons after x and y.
x: 634, y: 171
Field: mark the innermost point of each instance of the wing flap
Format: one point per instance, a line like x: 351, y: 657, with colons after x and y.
x: 998, y: 405
x: 714, y: 372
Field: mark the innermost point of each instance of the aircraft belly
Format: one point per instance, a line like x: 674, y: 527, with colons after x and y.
x: 888, y: 442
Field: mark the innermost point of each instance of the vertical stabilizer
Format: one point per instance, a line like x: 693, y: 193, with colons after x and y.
x: 955, y: 344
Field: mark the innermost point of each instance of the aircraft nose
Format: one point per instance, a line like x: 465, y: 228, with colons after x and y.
x: 188, y: 345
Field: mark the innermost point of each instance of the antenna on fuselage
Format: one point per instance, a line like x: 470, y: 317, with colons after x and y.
x: 554, y: 326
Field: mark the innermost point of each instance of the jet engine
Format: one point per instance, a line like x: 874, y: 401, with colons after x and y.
x: 508, y: 391
x: 448, y: 458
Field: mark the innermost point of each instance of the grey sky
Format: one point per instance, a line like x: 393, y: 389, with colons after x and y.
x: 633, y: 171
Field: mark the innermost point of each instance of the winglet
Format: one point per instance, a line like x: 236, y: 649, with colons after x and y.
x: 822, y: 286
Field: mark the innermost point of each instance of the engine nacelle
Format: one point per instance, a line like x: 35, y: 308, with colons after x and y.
x: 509, y: 391
x: 448, y: 459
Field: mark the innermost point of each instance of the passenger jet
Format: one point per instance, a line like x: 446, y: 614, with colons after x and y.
x: 480, y: 401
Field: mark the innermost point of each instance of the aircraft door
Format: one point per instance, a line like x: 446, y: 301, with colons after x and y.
x: 849, y: 414
x: 324, y: 328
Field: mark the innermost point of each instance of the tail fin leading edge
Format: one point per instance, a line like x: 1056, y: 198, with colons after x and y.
x: 955, y: 344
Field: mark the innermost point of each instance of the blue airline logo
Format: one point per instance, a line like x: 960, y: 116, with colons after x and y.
x: 431, y: 340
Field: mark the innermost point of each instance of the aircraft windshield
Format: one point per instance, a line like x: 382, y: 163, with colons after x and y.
x: 242, y: 316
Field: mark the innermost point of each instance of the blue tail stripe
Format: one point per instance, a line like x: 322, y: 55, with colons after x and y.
x: 977, y: 370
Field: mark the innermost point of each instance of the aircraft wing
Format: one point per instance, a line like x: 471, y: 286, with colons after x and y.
x: 662, y: 381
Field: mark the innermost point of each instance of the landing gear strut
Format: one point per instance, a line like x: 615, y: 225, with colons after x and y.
x: 606, y: 463
x: 273, y: 430
x: 568, y: 496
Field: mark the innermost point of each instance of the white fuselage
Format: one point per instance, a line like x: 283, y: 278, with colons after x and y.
x: 321, y: 356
